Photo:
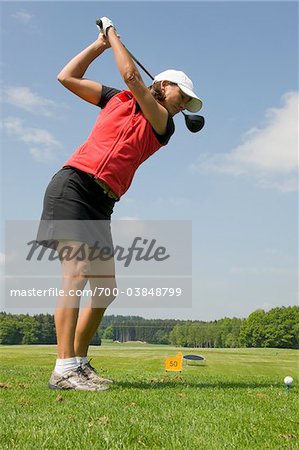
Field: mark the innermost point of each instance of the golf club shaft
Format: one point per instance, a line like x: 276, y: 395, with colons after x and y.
x: 139, y: 63
x: 99, y: 25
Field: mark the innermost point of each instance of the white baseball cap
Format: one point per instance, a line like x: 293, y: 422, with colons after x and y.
x: 184, y: 83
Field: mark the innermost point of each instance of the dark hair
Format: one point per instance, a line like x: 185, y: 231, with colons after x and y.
x: 156, y: 90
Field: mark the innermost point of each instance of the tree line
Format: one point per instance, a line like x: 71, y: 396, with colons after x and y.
x: 278, y: 328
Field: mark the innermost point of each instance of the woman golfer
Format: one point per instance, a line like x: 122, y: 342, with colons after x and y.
x: 132, y: 125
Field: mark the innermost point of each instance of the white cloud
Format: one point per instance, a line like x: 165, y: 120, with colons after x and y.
x: 2, y: 259
x: 129, y: 218
x: 7, y: 258
x: 22, y: 97
x: 237, y: 270
x: 175, y: 202
x: 42, y: 154
x: 128, y: 200
x: 270, y: 153
x: 289, y: 184
x: 23, y: 17
x: 42, y: 145
x: 127, y: 227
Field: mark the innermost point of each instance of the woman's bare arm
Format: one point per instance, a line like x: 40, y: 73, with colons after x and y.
x: 71, y: 76
x: 155, y: 113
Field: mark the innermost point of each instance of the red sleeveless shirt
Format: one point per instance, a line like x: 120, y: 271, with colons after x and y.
x: 119, y: 142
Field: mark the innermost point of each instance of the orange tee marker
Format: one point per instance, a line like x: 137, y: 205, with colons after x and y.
x: 174, y: 363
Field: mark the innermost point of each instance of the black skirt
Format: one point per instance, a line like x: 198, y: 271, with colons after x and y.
x: 75, y: 208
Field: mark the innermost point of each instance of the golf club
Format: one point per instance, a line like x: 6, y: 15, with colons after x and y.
x: 193, y: 122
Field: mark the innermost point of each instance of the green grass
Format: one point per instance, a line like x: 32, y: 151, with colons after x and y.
x: 236, y: 401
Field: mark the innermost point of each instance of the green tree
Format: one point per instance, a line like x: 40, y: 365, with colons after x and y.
x: 47, y: 333
x: 30, y: 330
x: 253, y: 329
x: 108, y: 333
x: 161, y: 337
x: 9, y: 331
x: 281, y: 330
x: 96, y: 340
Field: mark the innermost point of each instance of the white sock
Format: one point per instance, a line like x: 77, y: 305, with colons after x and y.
x: 63, y: 366
x: 82, y: 360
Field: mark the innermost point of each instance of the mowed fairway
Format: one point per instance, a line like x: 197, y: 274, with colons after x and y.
x: 236, y: 401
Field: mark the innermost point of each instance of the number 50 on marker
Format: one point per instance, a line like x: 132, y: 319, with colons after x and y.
x: 174, y: 363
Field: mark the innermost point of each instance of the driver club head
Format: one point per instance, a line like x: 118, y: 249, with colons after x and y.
x: 194, y: 122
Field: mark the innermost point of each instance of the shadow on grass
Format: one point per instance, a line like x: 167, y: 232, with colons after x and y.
x: 200, y: 385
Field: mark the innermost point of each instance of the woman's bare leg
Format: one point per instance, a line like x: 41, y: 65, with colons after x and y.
x: 102, y: 276
x: 74, y: 277
x: 88, y: 323
x: 65, y: 323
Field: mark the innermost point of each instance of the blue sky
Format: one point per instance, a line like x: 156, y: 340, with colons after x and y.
x: 236, y: 180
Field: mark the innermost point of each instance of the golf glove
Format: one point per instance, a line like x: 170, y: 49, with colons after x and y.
x: 105, y: 24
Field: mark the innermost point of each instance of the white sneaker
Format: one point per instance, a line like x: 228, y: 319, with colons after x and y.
x: 76, y: 380
x: 92, y: 375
